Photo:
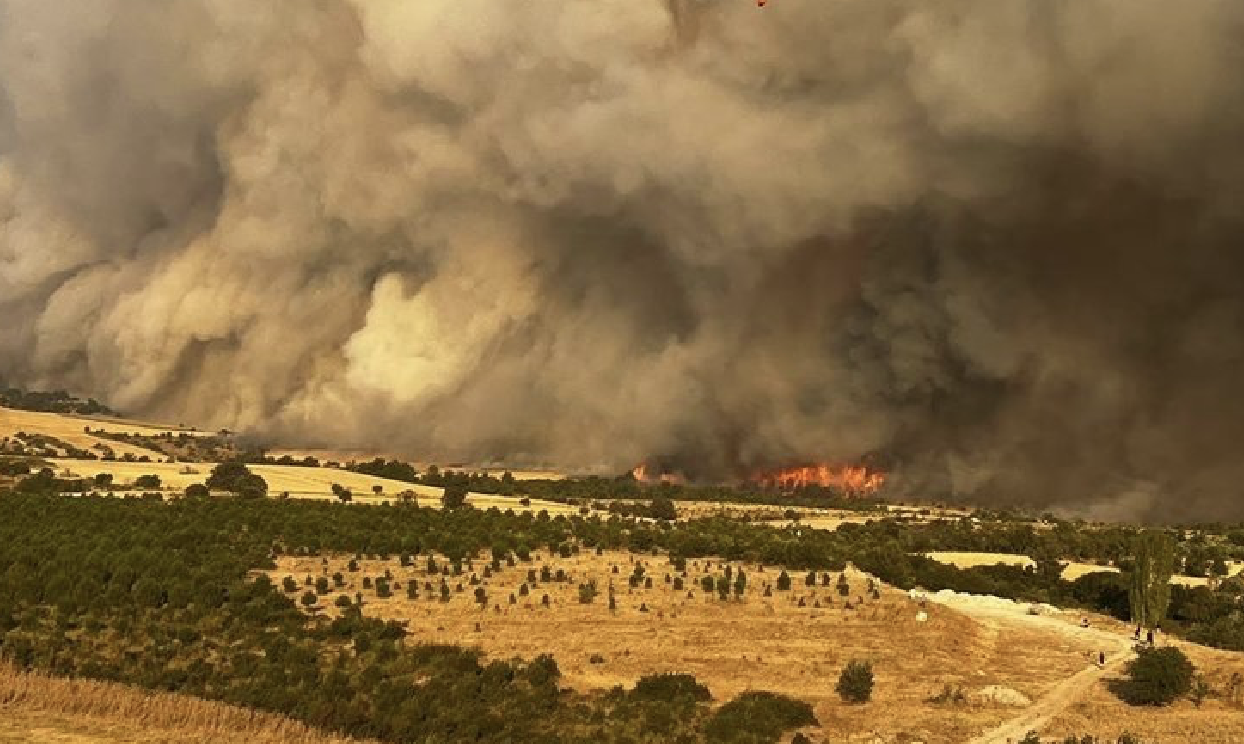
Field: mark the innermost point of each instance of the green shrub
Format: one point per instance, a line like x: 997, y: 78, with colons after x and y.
x: 671, y: 688
x: 855, y: 684
x: 1158, y: 676
x: 757, y: 718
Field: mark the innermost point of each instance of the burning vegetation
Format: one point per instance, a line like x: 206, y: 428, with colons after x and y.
x: 852, y: 479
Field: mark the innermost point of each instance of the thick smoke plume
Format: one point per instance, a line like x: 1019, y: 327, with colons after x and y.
x: 998, y: 246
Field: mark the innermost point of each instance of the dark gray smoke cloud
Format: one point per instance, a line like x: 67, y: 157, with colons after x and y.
x: 995, y: 245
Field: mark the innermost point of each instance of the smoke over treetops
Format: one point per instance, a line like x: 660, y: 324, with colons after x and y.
x: 997, y: 245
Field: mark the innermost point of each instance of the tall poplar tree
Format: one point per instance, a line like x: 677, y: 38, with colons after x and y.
x: 1150, y: 592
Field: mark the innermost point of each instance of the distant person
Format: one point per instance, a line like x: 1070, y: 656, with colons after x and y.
x: 1084, y: 623
x: 1149, y: 637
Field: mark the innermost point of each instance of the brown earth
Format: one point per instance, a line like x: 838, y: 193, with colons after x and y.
x: 753, y: 643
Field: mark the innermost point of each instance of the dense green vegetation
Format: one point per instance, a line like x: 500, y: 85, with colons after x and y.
x: 1157, y: 676
x: 164, y: 595
x: 57, y: 401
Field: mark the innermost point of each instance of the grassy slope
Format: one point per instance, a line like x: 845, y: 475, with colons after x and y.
x: 39, y: 708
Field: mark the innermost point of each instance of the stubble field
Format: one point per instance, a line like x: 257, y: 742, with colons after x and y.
x: 298, y: 482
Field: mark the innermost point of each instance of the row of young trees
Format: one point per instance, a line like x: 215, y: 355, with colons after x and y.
x: 891, y: 549
x: 159, y: 594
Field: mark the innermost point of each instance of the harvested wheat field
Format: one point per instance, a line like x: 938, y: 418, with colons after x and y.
x: 756, y: 642
x: 973, y: 560
x: 70, y: 430
x: 1071, y: 570
x: 363, y: 455
x: 40, y: 709
x: 298, y: 482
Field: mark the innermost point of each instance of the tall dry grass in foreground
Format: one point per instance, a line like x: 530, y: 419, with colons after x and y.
x: 157, y: 714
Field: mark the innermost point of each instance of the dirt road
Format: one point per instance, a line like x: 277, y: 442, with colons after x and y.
x: 998, y: 613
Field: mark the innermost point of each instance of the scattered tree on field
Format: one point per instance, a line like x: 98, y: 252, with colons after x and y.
x: 454, y: 497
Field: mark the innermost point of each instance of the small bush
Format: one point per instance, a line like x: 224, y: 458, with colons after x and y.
x: 757, y: 718
x: 855, y: 684
x: 1200, y: 690
x: 1158, y: 676
x: 671, y: 688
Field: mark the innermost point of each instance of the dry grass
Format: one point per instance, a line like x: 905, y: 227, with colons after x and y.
x: 1071, y: 571
x: 298, y: 482
x: 1217, y: 721
x: 974, y: 560
x: 39, y: 708
x: 756, y: 643
x: 70, y: 429
x: 357, y: 455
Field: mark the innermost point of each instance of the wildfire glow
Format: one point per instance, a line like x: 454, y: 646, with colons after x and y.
x: 846, y: 477
x: 642, y: 474
x: 851, y: 478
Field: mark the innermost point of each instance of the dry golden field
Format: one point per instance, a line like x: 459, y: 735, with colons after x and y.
x: 70, y: 429
x: 348, y: 455
x: 754, y: 643
x: 973, y: 560
x: 1071, y: 570
x: 298, y: 482
x: 39, y: 709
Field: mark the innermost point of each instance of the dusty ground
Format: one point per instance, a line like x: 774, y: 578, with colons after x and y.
x: 1083, y: 704
x: 756, y: 643
x: 1217, y: 721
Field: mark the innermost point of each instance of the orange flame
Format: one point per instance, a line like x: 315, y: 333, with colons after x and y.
x: 857, y: 478
x: 853, y: 478
x: 641, y: 473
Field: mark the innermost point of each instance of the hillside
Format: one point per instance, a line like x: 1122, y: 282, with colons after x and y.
x: 63, y: 441
x: 41, y: 709
x: 63, y: 433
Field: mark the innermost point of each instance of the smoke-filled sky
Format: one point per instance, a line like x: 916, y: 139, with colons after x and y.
x: 997, y: 245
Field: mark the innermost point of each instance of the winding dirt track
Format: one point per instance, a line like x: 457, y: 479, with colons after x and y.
x: 1064, y: 694
x: 999, y: 614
